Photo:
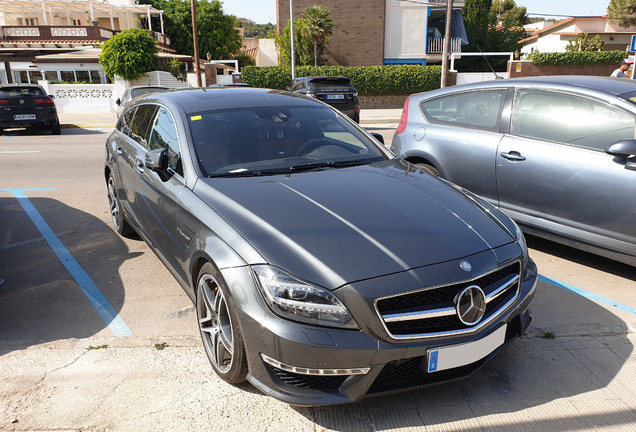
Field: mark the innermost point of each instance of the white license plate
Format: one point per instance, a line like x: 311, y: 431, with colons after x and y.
x: 24, y: 117
x: 453, y: 356
x: 334, y: 97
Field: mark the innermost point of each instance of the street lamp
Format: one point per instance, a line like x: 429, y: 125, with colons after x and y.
x: 208, y: 55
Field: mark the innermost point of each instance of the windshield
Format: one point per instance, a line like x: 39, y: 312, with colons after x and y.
x: 273, y: 140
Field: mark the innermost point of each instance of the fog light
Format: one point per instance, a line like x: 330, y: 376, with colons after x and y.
x: 311, y: 371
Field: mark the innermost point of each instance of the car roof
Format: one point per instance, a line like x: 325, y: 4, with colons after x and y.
x: 614, y: 86
x: 194, y: 99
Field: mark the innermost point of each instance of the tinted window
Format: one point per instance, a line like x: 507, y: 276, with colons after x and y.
x: 141, y: 122
x: 326, y: 82
x: 570, y: 119
x: 164, y: 135
x: 274, y: 139
x: 124, y: 122
x: 21, y: 91
x: 480, y: 110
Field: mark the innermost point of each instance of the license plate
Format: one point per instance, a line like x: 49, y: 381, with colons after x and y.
x: 453, y: 356
x: 334, y: 97
x: 24, y: 117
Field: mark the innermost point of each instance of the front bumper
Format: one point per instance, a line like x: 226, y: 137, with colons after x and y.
x: 305, y: 365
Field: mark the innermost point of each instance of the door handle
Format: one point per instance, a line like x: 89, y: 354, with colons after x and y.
x: 139, y: 166
x: 513, y: 156
x: 119, y: 150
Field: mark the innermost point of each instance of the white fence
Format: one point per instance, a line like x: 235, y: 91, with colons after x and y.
x: 82, y: 98
x: 473, y: 77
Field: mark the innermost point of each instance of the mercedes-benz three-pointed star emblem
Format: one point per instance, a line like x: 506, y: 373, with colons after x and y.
x: 471, y: 305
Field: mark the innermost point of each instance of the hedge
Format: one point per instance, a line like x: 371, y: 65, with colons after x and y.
x: 577, y: 58
x: 394, y: 79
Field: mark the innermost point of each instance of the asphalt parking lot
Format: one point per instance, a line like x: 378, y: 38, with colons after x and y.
x: 96, y: 335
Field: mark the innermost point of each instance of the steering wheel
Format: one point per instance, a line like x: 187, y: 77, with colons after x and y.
x: 312, y: 145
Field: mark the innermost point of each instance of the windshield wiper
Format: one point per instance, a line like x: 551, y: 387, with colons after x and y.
x: 331, y: 164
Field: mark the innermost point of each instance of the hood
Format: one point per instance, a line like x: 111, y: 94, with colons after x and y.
x: 338, y: 226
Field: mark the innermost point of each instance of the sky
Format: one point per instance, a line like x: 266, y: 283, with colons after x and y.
x: 264, y: 11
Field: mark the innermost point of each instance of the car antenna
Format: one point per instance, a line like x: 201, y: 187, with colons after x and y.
x: 489, y: 65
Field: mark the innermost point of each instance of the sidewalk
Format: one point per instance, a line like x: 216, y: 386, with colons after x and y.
x: 379, y: 117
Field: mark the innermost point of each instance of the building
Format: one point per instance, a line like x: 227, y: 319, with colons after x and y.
x: 556, y: 37
x: 32, y: 30
x: 382, y: 32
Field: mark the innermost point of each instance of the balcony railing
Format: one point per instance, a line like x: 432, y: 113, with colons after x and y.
x: 67, y: 34
x: 436, y: 45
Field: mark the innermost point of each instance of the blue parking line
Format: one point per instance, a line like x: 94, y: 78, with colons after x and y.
x: 588, y: 295
x: 115, y: 323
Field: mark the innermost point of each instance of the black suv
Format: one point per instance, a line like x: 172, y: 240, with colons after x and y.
x: 27, y: 106
x: 336, y: 91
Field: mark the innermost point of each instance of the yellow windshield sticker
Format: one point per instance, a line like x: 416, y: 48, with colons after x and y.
x: 193, y: 118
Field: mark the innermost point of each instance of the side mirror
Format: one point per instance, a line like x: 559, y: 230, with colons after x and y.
x: 378, y: 136
x: 118, y: 101
x: 157, y: 161
x: 622, y: 148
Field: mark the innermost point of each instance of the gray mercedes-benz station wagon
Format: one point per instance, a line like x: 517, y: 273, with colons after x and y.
x: 322, y: 268
x: 556, y: 153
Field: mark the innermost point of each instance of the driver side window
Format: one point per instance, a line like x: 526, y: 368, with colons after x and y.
x: 164, y: 135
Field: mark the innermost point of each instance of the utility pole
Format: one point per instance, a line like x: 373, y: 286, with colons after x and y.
x: 447, y: 40
x: 196, y: 42
x: 293, y: 38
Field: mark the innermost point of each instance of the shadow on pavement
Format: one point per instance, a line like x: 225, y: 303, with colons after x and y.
x: 66, y: 130
x: 40, y: 301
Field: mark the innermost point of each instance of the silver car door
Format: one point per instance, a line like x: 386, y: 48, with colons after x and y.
x: 553, y: 173
x: 158, y: 202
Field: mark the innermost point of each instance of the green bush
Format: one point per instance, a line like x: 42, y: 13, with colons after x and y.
x: 577, y: 58
x: 394, y: 79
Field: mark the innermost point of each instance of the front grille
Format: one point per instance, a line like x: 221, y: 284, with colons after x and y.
x: 432, y: 311
x: 316, y: 382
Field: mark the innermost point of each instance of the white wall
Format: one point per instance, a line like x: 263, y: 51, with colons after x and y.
x: 405, y: 30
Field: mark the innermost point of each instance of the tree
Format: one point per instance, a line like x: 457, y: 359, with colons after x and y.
x: 476, y: 22
x: 319, y: 26
x: 129, y: 54
x: 622, y: 12
x: 506, y: 12
x: 303, y: 45
x: 584, y: 42
x: 216, y: 32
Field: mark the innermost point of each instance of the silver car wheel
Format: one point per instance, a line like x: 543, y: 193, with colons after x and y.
x: 113, y: 202
x: 215, y: 324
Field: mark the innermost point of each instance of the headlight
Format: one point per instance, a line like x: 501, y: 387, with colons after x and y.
x: 522, y: 244
x: 294, y: 299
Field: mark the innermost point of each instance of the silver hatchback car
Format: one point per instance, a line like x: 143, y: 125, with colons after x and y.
x: 557, y: 154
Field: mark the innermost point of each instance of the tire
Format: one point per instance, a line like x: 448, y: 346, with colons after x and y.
x: 220, y: 332
x: 119, y: 221
x: 55, y: 128
x: 429, y: 168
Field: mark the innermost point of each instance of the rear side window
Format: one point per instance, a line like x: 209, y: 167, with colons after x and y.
x: 477, y: 109
x: 569, y: 119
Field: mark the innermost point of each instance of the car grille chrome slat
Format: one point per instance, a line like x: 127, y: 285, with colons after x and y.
x: 431, y: 312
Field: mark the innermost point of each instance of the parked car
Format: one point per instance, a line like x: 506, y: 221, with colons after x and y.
x: 132, y: 92
x: 557, y: 154
x: 317, y: 262
x: 27, y: 106
x: 336, y: 91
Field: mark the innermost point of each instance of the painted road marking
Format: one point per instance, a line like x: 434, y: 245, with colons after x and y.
x: 115, y: 323
x: 591, y: 296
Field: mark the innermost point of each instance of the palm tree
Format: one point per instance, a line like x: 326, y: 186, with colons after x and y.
x: 319, y: 26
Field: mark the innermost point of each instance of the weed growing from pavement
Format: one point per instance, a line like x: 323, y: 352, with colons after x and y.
x: 548, y: 335
x: 160, y: 346
x: 97, y: 347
